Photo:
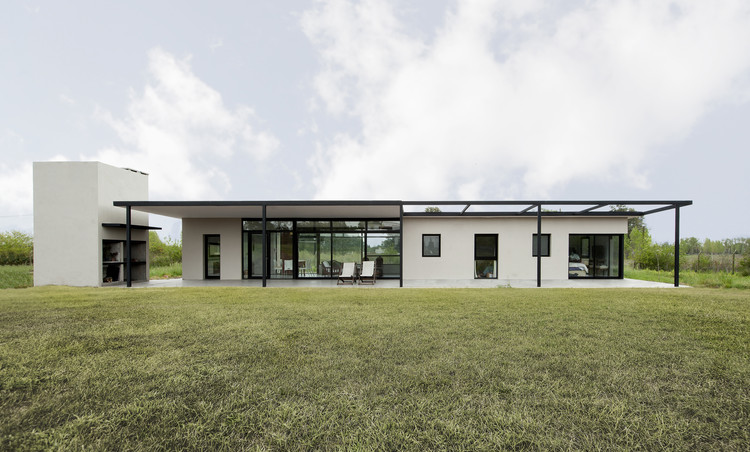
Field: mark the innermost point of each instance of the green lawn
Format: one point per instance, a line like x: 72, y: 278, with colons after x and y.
x: 349, y: 368
x: 694, y: 279
x: 16, y: 276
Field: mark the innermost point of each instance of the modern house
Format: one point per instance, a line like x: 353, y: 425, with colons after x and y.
x: 100, y: 213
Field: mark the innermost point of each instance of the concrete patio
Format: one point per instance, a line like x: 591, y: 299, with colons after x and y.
x: 415, y: 283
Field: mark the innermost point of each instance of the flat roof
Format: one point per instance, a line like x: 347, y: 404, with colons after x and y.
x: 393, y: 209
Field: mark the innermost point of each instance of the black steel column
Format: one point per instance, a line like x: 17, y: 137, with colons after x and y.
x: 401, y: 246
x: 539, y: 245
x: 128, y: 249
x: 677, y: 246
x: 265, y: 264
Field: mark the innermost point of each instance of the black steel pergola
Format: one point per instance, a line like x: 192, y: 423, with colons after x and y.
x: 535, y: 208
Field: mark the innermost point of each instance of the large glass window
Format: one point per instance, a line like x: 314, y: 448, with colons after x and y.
x: 595, y: 256
x: 485, y: 256
x: 318, y: 248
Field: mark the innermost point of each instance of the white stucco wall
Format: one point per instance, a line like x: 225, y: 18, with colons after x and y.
x: 230, y: 231
x: 515, y: 260
x: 71, y: 201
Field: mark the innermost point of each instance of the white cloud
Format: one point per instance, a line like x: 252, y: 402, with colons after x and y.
x: 515, y: 99
x: 16, y: 189
x: 179, y: 130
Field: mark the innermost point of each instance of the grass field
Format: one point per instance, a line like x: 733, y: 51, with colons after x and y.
x: 16, y: 276
x: 166, y: 271
x: 694, y: 279
x: 487, y: 369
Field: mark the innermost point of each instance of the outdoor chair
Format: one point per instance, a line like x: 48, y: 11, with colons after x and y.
x: 347, y: 274
x: 367, y: 275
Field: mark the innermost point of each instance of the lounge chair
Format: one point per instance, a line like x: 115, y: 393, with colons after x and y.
x: 347, y: 274
x: 367, y: 275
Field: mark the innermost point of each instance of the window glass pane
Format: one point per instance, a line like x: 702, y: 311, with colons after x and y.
x: 353, y: 225
x: 252, y: 225
x: 387, y: 266
x: 430, y: 245
x: 545, y: 245
x: 614, y: 252
x: 256, y: 255
x: 313, y: 225
x: 485, y: 268
x: 385, y: 225
x: 314, y: 251
x: 276, y: 225
x: 485, y: 246
x: 281, y: 254
x: 485, y: 256
x: 348, y: 247
x: 382, y: 244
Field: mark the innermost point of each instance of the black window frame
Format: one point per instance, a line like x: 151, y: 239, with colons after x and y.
x: 533, y: 244
x: 439, y: 245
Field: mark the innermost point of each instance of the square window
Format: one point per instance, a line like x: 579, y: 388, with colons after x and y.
x: 430, y: 245
x: 545, y: 245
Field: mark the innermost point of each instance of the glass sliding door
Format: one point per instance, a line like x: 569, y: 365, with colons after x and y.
x: 252, y: 255
x: 281, y: 254
x: 314, y: 251
x: 595, y: 256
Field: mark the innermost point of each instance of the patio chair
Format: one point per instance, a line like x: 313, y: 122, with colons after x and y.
x: 367, y: 275
x: 347, y: 274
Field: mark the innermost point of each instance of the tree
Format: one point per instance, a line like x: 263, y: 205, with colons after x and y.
x: 638, y: 247
x: 432, y: 209
x: 690, y: 245
x: 634, y: 222
x: 16, y: 248
x: 163, y: 253
x: 638, y: 239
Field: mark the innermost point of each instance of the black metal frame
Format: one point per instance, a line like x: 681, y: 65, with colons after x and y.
x: 589, y: 209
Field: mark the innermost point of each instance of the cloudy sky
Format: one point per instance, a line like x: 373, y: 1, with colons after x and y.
x: 387, y: 99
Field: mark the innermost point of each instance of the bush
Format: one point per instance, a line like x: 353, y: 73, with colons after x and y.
x: 16, y: 248
x: 744, y: 268
x: 163, y: 253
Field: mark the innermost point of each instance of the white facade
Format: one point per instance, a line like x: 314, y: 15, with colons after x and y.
x: 515, y: 235
x: 71, y: 202
x: 193, y: 258
x: 80, y: 213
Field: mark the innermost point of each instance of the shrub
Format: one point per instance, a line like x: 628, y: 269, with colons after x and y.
x: 16, y: 248
x: 163, y: 253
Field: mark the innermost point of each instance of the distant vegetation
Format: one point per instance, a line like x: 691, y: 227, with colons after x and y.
x: 163, y: 253
x: 716, y: 256
x: 16, y: 248
x: 16, y: 276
